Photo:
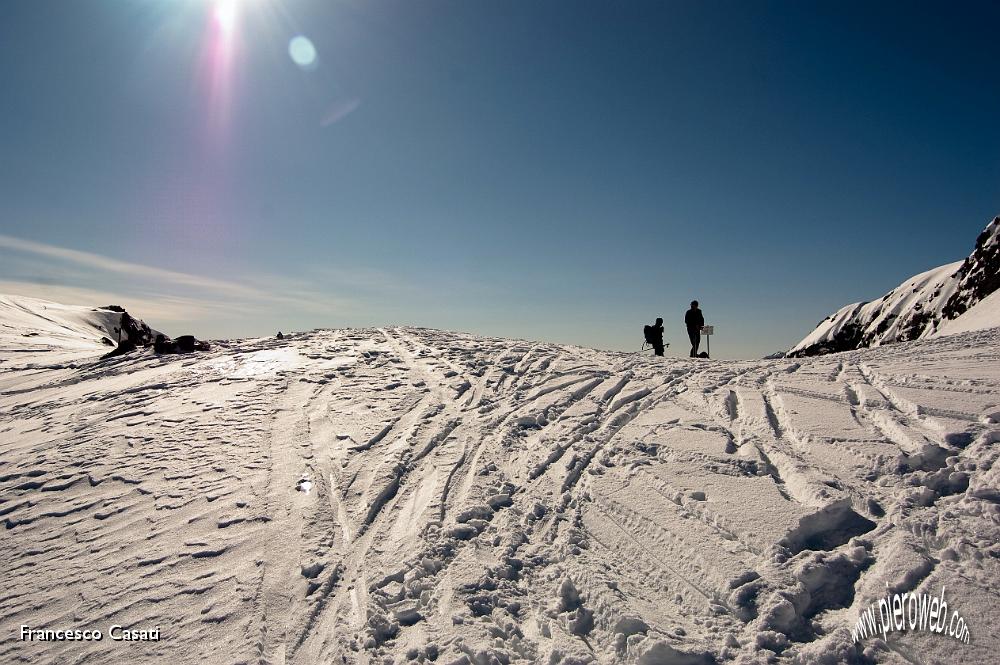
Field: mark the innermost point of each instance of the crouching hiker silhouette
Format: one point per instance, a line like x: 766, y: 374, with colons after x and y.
x: 654, y: 336
x: 694, y: 320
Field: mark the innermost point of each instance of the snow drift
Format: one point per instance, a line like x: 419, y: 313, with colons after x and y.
x: 411, y: 495
x: 915, y: 309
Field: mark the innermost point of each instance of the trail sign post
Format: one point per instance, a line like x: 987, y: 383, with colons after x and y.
x: 708, y: 331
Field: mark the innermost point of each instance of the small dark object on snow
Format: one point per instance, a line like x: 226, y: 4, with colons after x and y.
x: 280, y: 336
x: 163, y: 345
x: 703, y: 354
x: 183, y: 344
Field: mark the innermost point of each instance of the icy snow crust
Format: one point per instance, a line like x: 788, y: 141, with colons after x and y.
x: 394, y: 494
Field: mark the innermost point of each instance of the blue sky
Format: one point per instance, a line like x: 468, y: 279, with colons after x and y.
x: 563, y: 171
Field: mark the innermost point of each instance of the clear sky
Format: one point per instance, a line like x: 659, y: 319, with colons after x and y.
x: 563, y: 170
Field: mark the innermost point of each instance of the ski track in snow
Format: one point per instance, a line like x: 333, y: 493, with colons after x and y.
x: 363, y: 495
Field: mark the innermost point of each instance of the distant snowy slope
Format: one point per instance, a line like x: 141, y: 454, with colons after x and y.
x: 31, y: 322
x: 915, y: 309
x: 893, y: 317
x: 983, y: 315
x: 34, y: 325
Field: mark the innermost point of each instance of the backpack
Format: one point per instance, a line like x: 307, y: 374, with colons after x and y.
x: 647, y: 333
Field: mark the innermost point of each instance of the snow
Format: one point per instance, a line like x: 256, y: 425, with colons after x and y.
x: 981, y: 316
x: 30, y: 324
x: 400, y: 494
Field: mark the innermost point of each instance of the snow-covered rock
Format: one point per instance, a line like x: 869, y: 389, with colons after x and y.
x: 918, y: 308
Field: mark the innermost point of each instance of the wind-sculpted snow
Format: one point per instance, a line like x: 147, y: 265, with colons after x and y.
x: 399, y: 494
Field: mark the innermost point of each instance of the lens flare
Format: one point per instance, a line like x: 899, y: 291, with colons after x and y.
x: 302, y: 52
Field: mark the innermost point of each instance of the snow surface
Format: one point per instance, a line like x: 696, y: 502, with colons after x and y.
x: 31, y: 324
x: 983, y: 315
x: 387, y: 495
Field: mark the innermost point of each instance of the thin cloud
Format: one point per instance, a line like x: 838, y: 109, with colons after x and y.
x: 154, y: 308
x: 310, y: 301
x: 362, y: 279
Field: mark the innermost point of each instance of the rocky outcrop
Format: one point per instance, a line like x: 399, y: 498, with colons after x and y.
x: 130, y: 333
x: 915, y: 309
x: 979, y: 275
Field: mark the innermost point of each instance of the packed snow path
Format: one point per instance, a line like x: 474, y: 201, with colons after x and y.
x: 364, y: 495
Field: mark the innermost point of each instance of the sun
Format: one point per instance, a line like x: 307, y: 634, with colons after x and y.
x: 224, y: 13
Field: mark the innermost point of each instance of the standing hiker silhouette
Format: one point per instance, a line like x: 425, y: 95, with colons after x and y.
x: 694, y: 320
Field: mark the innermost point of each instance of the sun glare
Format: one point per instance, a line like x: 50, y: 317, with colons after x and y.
x: 225, y: 15
x: 219, y: 54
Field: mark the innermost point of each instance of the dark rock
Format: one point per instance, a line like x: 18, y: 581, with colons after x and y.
x: 183, y: 344
x: 125, y: 346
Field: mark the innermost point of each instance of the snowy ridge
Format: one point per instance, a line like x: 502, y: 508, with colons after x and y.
x: 31, y: 327
x: 405, y: 494
x: 31, y: 323
x: 917, y: 308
